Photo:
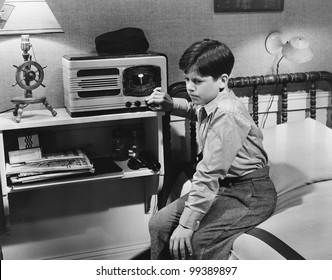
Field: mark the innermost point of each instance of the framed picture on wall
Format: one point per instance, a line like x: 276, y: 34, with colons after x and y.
x: 233, y: 6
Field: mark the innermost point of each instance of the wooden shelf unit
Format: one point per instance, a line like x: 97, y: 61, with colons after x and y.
x: 92, y: 133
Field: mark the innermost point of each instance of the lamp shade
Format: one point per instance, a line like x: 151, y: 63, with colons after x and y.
x: 297, y: 50
x: 27, y: 17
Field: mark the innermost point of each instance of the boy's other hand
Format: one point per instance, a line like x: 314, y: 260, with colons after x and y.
x: 180, y: 243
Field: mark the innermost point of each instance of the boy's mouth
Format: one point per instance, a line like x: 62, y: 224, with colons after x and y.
x: 194, y: 96
x: 194, y: 99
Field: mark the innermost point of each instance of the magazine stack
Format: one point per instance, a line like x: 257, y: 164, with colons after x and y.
x: 50, y: 166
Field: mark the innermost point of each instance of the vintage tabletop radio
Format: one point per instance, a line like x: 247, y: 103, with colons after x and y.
x: 110, y: 84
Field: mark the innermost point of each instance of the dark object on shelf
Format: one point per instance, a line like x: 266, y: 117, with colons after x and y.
x: 104, y: 165
x: 143, y: 160
x: 125, y: 40
x: 136, y: 141
x: 119, y: 146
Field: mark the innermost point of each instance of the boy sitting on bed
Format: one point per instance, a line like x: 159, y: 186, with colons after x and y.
x: 231, y: 190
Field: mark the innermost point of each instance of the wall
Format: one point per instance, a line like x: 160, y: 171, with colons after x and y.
x: 170, y: 27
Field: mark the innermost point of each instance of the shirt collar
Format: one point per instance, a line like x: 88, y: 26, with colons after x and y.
x: 211, y: 106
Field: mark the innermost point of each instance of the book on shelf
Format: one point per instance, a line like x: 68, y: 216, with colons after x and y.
x: 50, y: 166
x: 33, y: 177
x: 19, y: 156
x: 56, y: 165
x: 57, y: 156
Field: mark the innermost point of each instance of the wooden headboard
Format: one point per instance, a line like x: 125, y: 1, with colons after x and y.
x: 253, y: 87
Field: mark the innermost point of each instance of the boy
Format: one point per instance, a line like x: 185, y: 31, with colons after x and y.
x: 231, y: 190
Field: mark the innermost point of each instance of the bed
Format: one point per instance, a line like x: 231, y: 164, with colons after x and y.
x: 300, y: 159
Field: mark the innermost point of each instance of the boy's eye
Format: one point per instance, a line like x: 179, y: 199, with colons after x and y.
x: 197, y: 82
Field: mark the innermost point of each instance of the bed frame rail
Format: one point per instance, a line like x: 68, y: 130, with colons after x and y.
x: 179, y: 89
x: 284, y: 79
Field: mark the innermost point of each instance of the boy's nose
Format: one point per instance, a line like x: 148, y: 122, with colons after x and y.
x: 190, y: 86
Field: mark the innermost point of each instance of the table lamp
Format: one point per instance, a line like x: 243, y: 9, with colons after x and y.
x: 25, y: 17
x: 296, y: 50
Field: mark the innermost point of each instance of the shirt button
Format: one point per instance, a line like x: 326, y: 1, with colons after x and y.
x: 197, y: 225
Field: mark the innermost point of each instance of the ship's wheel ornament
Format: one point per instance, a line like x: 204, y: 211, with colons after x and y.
x: 29, y: 76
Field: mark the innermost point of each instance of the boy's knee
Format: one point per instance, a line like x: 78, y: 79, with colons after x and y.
x: 154, y: 223
x: 158, y: 222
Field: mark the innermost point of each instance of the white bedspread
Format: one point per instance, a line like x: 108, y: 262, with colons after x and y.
x: 303, y: 220
x: 300, y: 155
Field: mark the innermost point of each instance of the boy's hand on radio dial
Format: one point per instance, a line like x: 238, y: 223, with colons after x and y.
x: 159, y: 101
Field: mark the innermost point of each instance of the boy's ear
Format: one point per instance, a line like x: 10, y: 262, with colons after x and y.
x: 223, y: 80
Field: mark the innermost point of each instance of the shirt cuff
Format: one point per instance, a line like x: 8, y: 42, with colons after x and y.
x: 191, y: 218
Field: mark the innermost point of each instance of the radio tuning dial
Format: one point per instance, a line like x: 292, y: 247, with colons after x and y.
x: 137, y: 103
x: 128, y: 104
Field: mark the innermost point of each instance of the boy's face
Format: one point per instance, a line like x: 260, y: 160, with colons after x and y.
x: 202, y: 90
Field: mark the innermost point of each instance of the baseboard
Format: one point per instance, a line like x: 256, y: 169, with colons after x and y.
x: 134, y: 251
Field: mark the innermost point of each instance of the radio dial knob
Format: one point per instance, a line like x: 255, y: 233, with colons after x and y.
x: 128, y: 104
x: 137, y: 103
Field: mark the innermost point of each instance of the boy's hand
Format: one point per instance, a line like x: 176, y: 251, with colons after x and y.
x: 159, y: 101
x: 180, y: 243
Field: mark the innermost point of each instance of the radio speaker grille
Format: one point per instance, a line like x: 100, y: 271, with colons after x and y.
x: 95, y: 83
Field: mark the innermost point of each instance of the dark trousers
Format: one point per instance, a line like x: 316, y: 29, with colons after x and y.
x: 241, y: 204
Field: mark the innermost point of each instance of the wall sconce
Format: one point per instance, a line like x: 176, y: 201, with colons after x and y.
x: 23, y: 18
x: 296, y: 50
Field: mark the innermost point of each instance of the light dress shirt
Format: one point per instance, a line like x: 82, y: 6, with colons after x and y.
x: 231, y: 144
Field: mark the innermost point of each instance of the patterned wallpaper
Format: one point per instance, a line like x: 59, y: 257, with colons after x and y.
x: 170, y: 27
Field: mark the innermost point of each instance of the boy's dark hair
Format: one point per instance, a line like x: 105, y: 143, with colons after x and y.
x: 207, y: 58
